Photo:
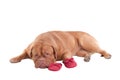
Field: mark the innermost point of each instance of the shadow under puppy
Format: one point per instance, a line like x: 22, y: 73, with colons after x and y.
x: 52, y: 46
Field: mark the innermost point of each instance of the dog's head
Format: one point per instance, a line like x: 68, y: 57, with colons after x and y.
x: 42, y: 55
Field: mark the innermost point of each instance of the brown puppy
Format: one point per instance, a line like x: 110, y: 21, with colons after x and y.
x: 58, y: 45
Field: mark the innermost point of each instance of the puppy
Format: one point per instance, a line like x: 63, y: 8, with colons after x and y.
x: 52, y: 46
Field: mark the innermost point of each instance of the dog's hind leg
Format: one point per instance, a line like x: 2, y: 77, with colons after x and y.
x: 85, y: 54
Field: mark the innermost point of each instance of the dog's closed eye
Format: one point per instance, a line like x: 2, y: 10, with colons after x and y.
x: 36, y: 55
x: 47, y: 54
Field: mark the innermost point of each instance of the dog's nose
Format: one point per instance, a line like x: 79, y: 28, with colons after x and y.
x: 40, y: 64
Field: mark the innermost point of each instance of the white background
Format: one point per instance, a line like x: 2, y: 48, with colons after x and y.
x: 22, y: 20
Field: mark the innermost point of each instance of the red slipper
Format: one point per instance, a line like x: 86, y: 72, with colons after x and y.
x: 70, y: 63
x: 55, y: 66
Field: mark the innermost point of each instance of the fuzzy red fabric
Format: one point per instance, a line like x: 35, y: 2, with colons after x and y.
x: 55, y: 66
x: 70, y: 63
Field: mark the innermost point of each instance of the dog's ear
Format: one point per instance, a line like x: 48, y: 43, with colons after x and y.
x: 54, y: 52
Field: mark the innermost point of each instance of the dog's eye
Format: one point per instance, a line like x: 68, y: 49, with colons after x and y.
x: 36, y: 55
x: 46, y: 54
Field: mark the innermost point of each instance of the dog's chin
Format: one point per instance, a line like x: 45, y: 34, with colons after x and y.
x: 43, y: 63
x: 41, y: 66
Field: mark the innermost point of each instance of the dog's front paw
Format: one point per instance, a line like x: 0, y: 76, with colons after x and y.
x: 70, y: 63
x: 15, y: 60
x: 55, y: 66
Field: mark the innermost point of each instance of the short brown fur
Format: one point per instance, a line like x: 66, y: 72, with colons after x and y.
x: 59, y: 45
